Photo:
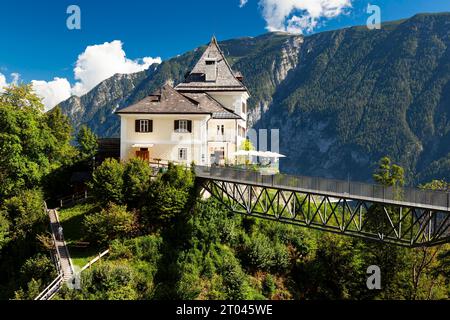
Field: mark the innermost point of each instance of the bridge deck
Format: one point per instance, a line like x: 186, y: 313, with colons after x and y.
x: 406, y: 197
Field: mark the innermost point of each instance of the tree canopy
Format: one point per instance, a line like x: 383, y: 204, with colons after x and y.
x: 32, y: 143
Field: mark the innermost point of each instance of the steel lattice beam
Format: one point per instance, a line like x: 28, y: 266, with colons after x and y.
x: 395, y: 224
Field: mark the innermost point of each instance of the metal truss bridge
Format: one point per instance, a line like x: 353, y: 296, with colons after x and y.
x: 402, y: 216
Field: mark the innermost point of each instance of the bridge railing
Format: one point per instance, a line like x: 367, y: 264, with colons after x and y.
x: 398, y: 195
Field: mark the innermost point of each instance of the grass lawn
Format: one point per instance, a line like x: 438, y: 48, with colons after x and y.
x: 72, y: 219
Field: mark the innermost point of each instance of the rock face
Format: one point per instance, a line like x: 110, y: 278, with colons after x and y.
x: 265, y: 61
x: 341, y: 99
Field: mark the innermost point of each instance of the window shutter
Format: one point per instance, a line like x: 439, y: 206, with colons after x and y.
x: 150, y: 126
x: 137, y: 126
x: 189, y: 125
x: 177, y: 125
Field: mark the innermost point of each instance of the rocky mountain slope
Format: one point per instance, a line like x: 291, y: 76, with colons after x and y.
x: 341, y: 99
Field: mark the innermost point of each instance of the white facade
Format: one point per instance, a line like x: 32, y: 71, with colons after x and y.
x: 208, y: 135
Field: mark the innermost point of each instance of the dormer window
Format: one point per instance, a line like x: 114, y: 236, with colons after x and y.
x: 210, y: 70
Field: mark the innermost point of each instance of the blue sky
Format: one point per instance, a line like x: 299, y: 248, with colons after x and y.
x: 37, y: 44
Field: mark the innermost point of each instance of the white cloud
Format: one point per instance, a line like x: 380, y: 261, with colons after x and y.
x: 300, y: 16
x: 15, y: 77
x: 100, y: 62
x: 3, y: 83
x: 95, y: 64
x: 242, y: 3
x: 52, y: 92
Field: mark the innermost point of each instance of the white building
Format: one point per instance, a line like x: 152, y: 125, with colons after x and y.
x: 203, y: 119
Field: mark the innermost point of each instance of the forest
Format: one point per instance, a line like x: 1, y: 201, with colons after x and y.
x: 167, y: 243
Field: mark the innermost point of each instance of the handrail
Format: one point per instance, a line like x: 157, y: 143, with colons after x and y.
x: 429, y: 199
x: 58, y: 255
x: 52, y: 288
x: 73, y: 198
x: 64, y: 241
x: 90, y: 263
x: 55, y: 285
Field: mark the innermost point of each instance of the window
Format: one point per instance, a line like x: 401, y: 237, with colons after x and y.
x: 220, y: 130
x: 144, y: 125
x: 241, y: 131
x: 210, y: 62
x: 182, y: 154
x: 183, y: 126
x: 244, y: 108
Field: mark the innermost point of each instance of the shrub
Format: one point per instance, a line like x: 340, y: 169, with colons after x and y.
x: 212, y: 223
x: 107, y: 281
x: 178, y: 177
x: 137, y: 175
x: 164, y: 203
x: 281, y: 258
x: 34, y: 287
x: 38, y: 267
x: 234, y: 279
x: 112, y: 222
x: 145, y: 248
x: 107, y: 182
x: 4, y: 230
x: 268, y: 286
x: 188, y: 286
x: 259, y: 253
x: 26, y: 212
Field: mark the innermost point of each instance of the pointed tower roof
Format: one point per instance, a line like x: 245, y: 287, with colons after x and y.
x: 211, y: 73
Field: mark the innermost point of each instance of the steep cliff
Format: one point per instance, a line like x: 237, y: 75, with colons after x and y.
x: 341, y: 99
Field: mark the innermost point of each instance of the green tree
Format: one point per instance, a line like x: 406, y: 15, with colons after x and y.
x: 389, y: 174
x: 26, y: 219
x: 439, y: 185
x: 170, y: 197
x: 164, y: 203
x: 107, y: 182
x: 235, y: 281
x: 109, y: 281
x: 87, y: 143
x: 111, y: 223
x: 247, y: 145
x: 137, y: 178
x: 4, y: 230
x: 30, y: 144
x: 25, y: 213
x: 61, y: 129
x: 336, y: 271
x: 39, y: 267
x: 260, y: 253
x: 34, y: 288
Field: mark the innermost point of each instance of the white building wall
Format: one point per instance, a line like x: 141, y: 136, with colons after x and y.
x: 200, y: 144
x: 232, y: 100
x: 164, y: 139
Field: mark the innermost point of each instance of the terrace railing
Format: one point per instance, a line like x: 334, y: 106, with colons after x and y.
x: 403, y: 196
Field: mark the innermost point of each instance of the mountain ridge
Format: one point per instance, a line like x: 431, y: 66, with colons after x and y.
x: 341, y: 98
